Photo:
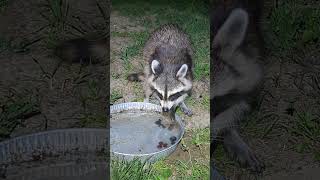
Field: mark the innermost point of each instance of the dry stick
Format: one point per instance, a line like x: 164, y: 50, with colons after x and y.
x: 296, y: 131
x: 270, y: 127
x: 45, y: 122
x: 56, y: 68
x: 24, y: 117
x: 47, y: 75
x: 80, y: 30
x: 40, y: 29
x: 32, y: 42
x: 54, y: 72
x: 28, y: 115
x: 103, y: 13
x: 64, y: 84
x: 41, y: 68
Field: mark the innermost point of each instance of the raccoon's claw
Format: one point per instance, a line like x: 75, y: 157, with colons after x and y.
x: 185, y: 109
x: 255, y: 164
x: 240, y: 151
x: 187, y: 112
x: 247, y: 158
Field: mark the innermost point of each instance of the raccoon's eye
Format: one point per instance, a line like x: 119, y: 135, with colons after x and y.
x: 159, y: 95
x: 175, y: 96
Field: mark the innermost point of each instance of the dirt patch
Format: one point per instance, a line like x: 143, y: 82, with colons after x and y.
x: 201, y: 116
x: 28, y: 64
x: 123, y: 24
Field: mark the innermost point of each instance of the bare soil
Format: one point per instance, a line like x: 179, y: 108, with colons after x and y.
x: 63, y: 98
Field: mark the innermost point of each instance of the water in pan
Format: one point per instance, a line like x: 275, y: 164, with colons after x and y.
x: 140, y: 133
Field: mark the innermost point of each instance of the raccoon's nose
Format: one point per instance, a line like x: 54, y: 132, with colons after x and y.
x: 165, y: 109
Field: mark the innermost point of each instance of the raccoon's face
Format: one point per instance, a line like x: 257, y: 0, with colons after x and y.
x: 170, y: 84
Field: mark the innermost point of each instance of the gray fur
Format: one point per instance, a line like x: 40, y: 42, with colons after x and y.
x: 236, y: 76
x: 169, y: 69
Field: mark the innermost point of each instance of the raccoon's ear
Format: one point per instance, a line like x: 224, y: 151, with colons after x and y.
x: 155, y: 67
x: 233, y: 31
x: 182, y: 71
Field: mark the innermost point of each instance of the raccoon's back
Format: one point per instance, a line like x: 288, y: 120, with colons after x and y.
x: 167, y: 35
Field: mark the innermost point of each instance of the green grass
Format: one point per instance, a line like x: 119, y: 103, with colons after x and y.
x: 94, y: 90
x: 222, y: 162
x: 52, y: 38
x: 3, y: 5
x: 93, y: 120
x: 4, y: 44
x: 161, y: 170
x: 196, y: 167
x: 192, y: 170
x: 306, y: 128
x: 191, y: 16
x: 92, y: 115
x: 137, y: 170
x: 115, y: 95
x: 104, y: 11
x: 13, y: 110
x: 201, y: 137
x: 132, y: 50
x: 58, y: 12
x: 204, y: 102
x: 19, y: 47
x: 293, y: 25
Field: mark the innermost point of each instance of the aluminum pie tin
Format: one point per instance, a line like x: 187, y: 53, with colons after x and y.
x: 128, y: 137
x: 55, y: 153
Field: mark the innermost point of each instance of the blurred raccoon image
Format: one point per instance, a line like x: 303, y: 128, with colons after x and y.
x: 85, y: 50
x: 236, y: 75
x: 168, y: 71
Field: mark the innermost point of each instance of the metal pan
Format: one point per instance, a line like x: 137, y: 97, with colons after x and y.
x: 54, y: 153
x: 135, y: 134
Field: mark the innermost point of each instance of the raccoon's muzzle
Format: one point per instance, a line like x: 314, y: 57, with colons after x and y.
x: 165, y: 109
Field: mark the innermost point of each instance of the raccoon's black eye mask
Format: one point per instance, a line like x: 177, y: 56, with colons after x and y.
x: 172, y: 97
x: 159, y: 94
x: 175, y: 96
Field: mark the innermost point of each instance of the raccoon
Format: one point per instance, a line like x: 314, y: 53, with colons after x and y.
x: 236, y: 75
x: 83, y: 50
x: 168, y: 72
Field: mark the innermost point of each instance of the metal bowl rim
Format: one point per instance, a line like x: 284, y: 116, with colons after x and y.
x: 113, y: 109
x: 52, y: 131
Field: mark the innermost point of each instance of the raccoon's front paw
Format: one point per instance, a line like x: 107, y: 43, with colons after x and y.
x: 185, y: 109
x: 250, y: 160
x: 187, y: 112
x: 246, y: 158
x: 239, y: 150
